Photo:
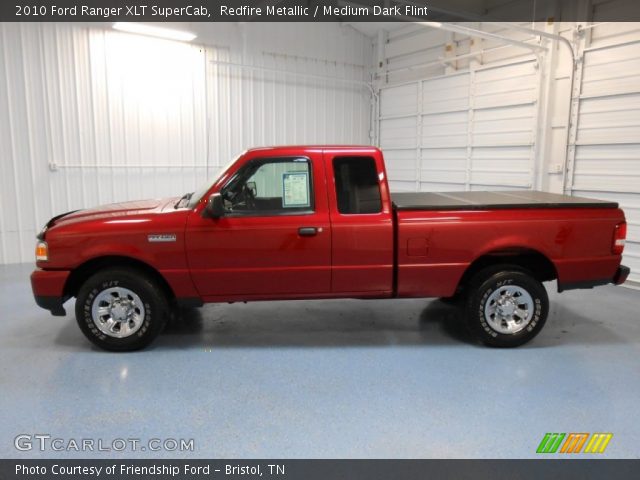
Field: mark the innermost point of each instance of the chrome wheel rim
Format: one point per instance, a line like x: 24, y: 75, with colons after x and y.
x: 117, y: 312
x: 509, y: 309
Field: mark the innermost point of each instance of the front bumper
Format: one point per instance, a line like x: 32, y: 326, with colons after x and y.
x: 53, y: 304
x: 48, y: 290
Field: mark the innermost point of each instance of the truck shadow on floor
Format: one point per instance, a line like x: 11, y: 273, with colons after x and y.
x: 369, y: 323
x: 311, y: 324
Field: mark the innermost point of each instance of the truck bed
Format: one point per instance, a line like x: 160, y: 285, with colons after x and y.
x: 491, y: 200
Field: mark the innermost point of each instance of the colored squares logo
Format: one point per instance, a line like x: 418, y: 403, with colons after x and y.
x: 574, y: 442
x: 598, y: 443
x: 550, y: 442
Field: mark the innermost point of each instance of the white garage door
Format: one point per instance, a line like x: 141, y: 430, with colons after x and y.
x: 607, y: 146
x: 467, y: 131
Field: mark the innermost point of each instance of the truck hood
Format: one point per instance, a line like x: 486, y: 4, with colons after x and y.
x: 114, y: 210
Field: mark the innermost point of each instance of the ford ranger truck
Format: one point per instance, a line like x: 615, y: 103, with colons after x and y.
x: 319, y: 222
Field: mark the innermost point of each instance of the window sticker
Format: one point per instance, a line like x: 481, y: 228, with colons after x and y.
x: 295, y: 186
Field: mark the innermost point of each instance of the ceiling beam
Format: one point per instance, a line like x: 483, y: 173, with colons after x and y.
x: 472, y: 32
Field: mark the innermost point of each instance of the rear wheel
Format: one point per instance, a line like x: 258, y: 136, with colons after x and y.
x: 506, y: 306
x: 121, y: 309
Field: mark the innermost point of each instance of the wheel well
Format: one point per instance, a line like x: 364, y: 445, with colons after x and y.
x: 81, y: 273
x: 539, y: 265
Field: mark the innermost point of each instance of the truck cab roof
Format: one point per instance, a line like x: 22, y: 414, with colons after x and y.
x: 346, y: 148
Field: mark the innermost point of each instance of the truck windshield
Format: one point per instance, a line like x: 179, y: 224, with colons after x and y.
x: 193, y: 198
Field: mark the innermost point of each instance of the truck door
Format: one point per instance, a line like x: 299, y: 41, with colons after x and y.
x: 361, y: 223
x: 274, y: 240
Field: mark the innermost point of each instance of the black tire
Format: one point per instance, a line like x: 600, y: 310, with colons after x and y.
x: 484, y: 285
x: 152, y: 297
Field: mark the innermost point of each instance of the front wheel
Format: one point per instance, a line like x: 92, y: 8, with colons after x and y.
x: 121, y: 309
x: 506, y: 306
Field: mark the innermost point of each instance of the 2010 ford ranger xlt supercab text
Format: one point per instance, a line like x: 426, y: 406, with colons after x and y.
x: 317, y: 222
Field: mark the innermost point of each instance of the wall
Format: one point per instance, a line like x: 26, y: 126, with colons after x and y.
x: 458, y: 113
x: 90, y: 116
x: 604, y: 153
x: 503, y: 118
x: 472, y: 130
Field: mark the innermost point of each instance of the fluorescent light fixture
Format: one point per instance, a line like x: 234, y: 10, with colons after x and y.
x: 430, y: 24
x: 144, y: 29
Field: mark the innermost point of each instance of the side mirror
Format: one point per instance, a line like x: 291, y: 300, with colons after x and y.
x: 215, y: 206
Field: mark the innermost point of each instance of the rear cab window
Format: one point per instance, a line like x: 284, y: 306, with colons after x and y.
x: 357, y: 186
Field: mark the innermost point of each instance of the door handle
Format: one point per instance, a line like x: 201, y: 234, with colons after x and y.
x: 308, y: 231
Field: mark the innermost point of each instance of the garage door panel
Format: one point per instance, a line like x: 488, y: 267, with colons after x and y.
x: 449, y: 129
x: 445, y: 94
x: 402, y: 186
x: 399, y: 158
x: 512, y: 85
x: 509, y: 85
x: 511, y: 154
x: 611, y: 72
x: 627, y: 201
x: 451, y: 159
x: 441, y: 187
x: 455, y: 120
x: 398, y: 132
x: 604, y: 162
x: 497, y: 188
x: 516, y: 70
x: 401, y: 165
x: 512, y: 137
x: 610, y: 112
x: 609, y: 55
x: 397, y: 173
x: 499, y: 99
x: 619, y: 32
x: 500, y: 178
x: 447, y: 176
x: 617, y: 104
x: 501, y: 158
x: 619, y: 86
x: 483, y: 120
x: 601, y: 166
x: 609, y: 120
x: 607, y: 135
x: 507, y: 125
x: 399, y: 100
x: 509, y: 113
x: 501, y: 165
x: 455, y: 172
x: 631, y: 259
x: 605, y: 183
x: 439, y: 105
x: 633, y: 230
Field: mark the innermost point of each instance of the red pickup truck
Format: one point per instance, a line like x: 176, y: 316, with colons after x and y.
x: 316, y: 222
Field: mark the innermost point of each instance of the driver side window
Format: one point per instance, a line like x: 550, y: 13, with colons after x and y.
x: 274, y: 186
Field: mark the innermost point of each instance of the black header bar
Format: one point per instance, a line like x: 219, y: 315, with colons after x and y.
x: 123, y: 469
x: 314, y: 11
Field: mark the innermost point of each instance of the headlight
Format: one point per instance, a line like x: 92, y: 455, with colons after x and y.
x: 42, y: 251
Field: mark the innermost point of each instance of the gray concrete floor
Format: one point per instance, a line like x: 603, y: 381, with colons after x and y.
x: 336, y: 379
